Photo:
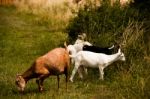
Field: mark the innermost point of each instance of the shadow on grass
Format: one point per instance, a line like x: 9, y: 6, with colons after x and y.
x: 31, y: 91
x: 26, y: 92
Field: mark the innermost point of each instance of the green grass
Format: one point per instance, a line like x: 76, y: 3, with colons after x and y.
x: 22, y: 40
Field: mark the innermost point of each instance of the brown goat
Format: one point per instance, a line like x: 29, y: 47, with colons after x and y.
x: 55, y: 62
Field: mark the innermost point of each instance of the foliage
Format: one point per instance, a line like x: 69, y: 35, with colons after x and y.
x: 126, y: 26
x: 52, y: 14
x: 103, y: 21
x: 24, y: 36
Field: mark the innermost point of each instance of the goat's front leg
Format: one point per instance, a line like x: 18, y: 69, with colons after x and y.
x: 58, y: 79
x: 40, y: 81
x: 101, y: 72
x: 40, y: 84
x: 85, y: 70
x: 73, y: 72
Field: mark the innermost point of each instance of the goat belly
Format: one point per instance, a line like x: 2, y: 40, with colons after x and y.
x: 90, y: 63
x: 54, y: 70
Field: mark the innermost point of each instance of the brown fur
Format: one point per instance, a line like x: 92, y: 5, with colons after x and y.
x: 55, y: 62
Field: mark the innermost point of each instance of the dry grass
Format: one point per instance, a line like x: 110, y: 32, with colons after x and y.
x: 23, y: 40
x: 132, y: 33
x: 56, y: 13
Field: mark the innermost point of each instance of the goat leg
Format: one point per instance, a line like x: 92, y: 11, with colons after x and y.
x: 40, y: 84
x: 74, y: 72
x: 40, y: 81
x: 58, y: 79
x: 101, y: 72
x: 80, y: 70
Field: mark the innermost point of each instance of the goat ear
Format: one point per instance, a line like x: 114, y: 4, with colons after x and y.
x: 119, y: 50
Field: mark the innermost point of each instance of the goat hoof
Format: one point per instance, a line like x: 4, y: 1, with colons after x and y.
x: 101, y: 79
x: 71, y: 80
x: 41, y: 90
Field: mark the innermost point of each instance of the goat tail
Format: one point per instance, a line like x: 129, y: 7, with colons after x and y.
x: 72, y: 56
x: 111, y: 47
x: 65, y: 44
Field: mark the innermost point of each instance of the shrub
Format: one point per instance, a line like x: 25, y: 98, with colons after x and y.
x: 105, y: 22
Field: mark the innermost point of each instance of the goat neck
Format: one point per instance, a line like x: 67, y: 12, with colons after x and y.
x: 29, y: 74
x: 114, y: 57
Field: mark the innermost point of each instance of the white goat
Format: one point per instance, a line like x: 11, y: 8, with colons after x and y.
x: 95, y: 60
x: 74, y: 49
x: 77, y: 47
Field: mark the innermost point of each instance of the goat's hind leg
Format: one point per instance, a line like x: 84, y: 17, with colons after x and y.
x: 58, y: 79
x: 66, y: 74
x: 74, y: 72
x: 85, y: 70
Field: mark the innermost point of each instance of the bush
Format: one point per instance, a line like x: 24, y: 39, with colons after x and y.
x: 126, y: 26
x: 106, y: 22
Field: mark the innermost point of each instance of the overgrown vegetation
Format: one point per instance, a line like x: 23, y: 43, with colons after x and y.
x: 27, y: 34
x: 54, y: 14
x: 127, y: 26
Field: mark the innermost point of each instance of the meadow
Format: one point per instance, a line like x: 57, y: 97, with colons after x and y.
x: 24, y: 36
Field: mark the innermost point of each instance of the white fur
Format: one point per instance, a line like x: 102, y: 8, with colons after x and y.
x: 79, y: 41
x: 94, y: 60
x: 73, y: 49
x: 78, y: 46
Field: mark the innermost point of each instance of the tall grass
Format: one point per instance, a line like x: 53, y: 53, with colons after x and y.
x: 22, y: 41
x: 27, y: 33
x: 54, y: 14
x: 126, y: 26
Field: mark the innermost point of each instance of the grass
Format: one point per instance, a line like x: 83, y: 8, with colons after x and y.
x: 23, y: 39
x: 52, y: 13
